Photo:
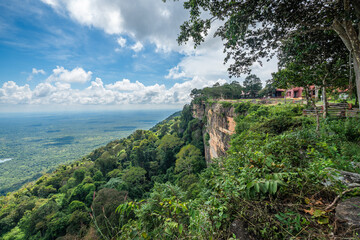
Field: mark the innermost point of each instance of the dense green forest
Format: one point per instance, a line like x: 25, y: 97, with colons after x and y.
x: 37, y: 143
x: 275, y: 182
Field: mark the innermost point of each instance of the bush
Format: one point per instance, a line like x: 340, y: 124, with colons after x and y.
x: 278, y: 125
x: 226, y: 104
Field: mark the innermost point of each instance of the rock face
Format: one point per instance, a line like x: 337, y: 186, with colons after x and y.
x: 219, y: 127
x: 350, y: 179
x: 237, y: 227
x: 348, y: 212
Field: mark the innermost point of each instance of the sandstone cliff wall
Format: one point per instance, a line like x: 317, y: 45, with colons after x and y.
x: 219, y: 127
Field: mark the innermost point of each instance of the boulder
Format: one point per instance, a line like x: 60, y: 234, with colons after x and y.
x: 237, y: 227
x: 350, y: 179
x: 348, y: 212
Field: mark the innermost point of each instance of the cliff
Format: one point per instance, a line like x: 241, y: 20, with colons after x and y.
x: 219, y: 126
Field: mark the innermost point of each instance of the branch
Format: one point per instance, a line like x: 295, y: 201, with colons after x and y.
x: 340, y: 30
x: 298, y: 32
x: 353, y: 37
x: 337, y: 198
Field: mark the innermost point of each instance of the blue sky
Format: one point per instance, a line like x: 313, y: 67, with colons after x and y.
x: 118, y: 53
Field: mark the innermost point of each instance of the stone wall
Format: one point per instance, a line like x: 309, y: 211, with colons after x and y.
x: 219, y: 127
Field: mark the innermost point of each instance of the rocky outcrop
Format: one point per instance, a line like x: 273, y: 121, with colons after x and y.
x: 350, y: 179
x: 219, y: 127
x: 237, y: 228
x: 348, y: 213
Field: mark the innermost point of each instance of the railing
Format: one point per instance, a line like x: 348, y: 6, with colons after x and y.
x: 263, y: 100
x: 335, y: 110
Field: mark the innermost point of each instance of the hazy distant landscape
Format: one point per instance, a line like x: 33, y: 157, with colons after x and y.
x: 34, y: 143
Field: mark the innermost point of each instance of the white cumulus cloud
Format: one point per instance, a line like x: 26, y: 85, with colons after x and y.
x: 77, y: 75
x: 120, y: 93
x: 38, y: 71
x: 125, y: 85
x: 11, y: 93
x: 175, y: 73
x: 155, y: 22
x: 137, y: 47
x: 121, y: 41
x: 150, y: 20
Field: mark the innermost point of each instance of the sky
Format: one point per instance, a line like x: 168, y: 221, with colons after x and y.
x: 103, y: 54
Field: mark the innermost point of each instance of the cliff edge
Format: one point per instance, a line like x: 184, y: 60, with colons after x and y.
x: 219, y: 125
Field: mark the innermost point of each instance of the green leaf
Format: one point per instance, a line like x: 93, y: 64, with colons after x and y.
x: 318, y: 213
x: 323, y: 220
x: 250, y: 184
x: 181, y: 227
x: 218, y: 224
x: 275, y: 187
x: 257, y: 187
x: 271, y: 187
x: 267, y: 186
x: 168, y: 231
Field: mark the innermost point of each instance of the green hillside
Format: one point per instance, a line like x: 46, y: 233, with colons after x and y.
x: 275, y: 183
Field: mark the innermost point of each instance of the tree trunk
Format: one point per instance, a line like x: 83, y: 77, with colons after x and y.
x: 316, y: 93
x: 308, y: 96
x: 317, y: 115
x: 357, y: 76
x: 313, y: 102
x: 325, y: 103
x: 350, y: 38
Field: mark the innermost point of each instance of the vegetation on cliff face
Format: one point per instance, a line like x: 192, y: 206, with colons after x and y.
x: 275, y: 182
x: 78, y: 198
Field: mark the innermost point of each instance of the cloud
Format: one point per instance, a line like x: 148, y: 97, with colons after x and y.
x: 77, y: 75
x: 205, y: 64
x: 11, y: 93
x: 125, y: 85
x: 145, y: 21
x: 36, y: 71
x: 52, y: 3
x: 137, y: 47
x: 43, y: 90
x: 155, y: 22
x: 121, y: 41
x: 175, y: 73
x: 122, y: 92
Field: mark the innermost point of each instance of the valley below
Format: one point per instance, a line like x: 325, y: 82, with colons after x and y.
x: 33, y: 144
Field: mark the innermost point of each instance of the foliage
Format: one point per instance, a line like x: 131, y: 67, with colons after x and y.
x: 39, y: 143
x: 252, y: 30
x: 252, y: 85
x: 155, y: 184
x: 319, y: 58
x: 58, y: 203
x: 189, y: 160
x: 226, y: 91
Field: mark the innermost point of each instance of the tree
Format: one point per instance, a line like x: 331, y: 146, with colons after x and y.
x: 189, y: 160
x: 297, y: 75
x: 253, y: 29
x: 169, y: 145
x: 103, y: 210
x: 269, y: 89
x: 320, y: 56
x: 252, y: 85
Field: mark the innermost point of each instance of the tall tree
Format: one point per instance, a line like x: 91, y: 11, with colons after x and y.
x: 269, y: 90
x: 296, y: 74
x: 252, y: 85
x: 252, y: 29
x: 323, y: 54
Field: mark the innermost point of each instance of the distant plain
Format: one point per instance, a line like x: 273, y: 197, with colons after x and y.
x: 35, y: 143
